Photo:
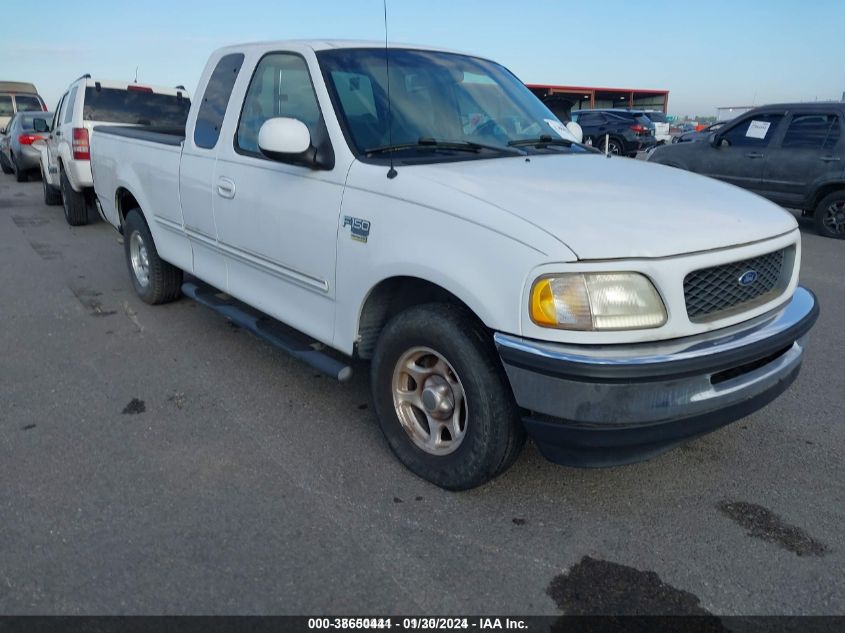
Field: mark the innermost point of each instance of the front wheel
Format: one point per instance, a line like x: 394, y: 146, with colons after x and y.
x: 442, y: 398
x: 154, y: 279
x: 830, y: 215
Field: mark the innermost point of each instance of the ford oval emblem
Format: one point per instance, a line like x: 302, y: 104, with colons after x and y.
x: 748, y: 277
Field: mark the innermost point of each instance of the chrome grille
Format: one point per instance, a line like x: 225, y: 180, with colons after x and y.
x: 715, y: 292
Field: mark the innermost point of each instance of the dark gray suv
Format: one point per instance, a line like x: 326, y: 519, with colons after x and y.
x: 791, y: 154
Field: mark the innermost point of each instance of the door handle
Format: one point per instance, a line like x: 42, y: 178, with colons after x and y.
x: 754, y: 155
x: 58, y: 133
x: 830, y: 159
x: 225, y: 188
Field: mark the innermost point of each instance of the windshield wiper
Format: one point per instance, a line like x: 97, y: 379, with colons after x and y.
x: 432, y: 143
x: 542, y: 141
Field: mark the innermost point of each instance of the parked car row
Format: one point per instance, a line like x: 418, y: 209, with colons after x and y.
x: 792, y: 154
x: 18, y: 156
x: 18, y: 96
x: 501, y: 277
x: 620, y: 132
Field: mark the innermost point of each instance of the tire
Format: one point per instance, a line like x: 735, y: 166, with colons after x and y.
x: 446, y: 346
x: 830, y: 215
x: 20, y: 175
x: 162, y: 282
x: 4, y: 165
x: 614, y: 146
x: 52, y: 196
x: 76, y: 211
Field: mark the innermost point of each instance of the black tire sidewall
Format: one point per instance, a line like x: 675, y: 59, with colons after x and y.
x: 821, y: 209
x: 492, y: 414
x: 20, y: 175
x: 75, y: 207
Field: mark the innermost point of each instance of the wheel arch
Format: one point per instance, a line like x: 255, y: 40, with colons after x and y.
x: 823, y: 191
x: 393, y: 295
x: 124, y: 202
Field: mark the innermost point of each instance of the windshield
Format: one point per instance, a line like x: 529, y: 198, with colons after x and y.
x: 434, y: 96
x: 657, y: 117
x: 110, y: 105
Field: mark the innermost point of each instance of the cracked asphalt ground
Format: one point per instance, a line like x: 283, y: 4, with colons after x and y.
x: 159, y: 460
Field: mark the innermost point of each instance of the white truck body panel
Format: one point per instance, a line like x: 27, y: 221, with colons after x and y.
x: 339, y: 245
x: 290, y: 255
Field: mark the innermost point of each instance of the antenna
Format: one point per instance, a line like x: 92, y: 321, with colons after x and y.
x: 136, y: 74
x: 391, y: 173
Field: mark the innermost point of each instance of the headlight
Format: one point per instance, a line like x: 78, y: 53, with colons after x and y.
x: 596, y: 301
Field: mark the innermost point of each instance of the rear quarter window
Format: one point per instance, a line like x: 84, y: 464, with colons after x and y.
x: 215, y: 100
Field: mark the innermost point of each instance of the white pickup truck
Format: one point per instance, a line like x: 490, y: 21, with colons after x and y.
x: 444, y: 225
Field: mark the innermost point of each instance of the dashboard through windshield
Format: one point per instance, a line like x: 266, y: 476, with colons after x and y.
x: 442, y: 106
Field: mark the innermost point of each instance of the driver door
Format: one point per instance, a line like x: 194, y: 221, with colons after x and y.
x: 51, y: 152
x: 740, y: 157
x: 277, y: 222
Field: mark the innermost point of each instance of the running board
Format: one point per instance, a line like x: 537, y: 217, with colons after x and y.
x: 286, y: 339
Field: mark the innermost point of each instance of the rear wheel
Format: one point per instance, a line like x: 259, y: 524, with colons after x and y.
x: 76, y: 211
x: 154, y: 279
x: 52, y: 196
x: 612, y: 146
x: 20, y: 174
x: 442, y: 398
x: 4, y: 164
x: 830, y: 215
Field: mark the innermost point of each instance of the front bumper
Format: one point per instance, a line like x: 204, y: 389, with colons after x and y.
x: 603, y: 405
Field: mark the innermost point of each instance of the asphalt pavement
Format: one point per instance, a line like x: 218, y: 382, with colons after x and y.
x: 160, y: 460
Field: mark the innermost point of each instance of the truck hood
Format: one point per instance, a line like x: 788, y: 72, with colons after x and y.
x: 614, y: 208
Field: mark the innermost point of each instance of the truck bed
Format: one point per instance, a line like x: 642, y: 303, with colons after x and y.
x: 164, y: 135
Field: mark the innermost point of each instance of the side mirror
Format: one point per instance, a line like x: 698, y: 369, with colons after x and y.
x: 282, y: 138
x: 714, y: 140
x: 576, y: 131
x: 40, y: 125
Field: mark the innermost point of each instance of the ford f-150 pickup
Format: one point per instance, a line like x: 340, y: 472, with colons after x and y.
x: 422, y: 210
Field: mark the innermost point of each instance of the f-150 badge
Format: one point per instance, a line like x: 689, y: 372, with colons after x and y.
x: 359, y: 229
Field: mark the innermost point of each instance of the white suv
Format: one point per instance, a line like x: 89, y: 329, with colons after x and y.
x: 65, y: 162
x: 661, y: 126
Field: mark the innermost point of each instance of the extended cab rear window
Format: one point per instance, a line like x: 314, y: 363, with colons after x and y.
x: 135, y: 107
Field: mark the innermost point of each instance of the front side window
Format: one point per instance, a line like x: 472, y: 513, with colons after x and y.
x: 215, y: 100
x: 755, y: 131
x: 6, y: 108
x: 436, y: 99
x: 812, y: 131
x: 281, y: 87
x: 28, y: 103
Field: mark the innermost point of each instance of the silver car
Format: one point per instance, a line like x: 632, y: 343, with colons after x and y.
x: 17, y: 154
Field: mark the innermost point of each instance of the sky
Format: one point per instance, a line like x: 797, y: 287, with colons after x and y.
x: 707, y: 54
